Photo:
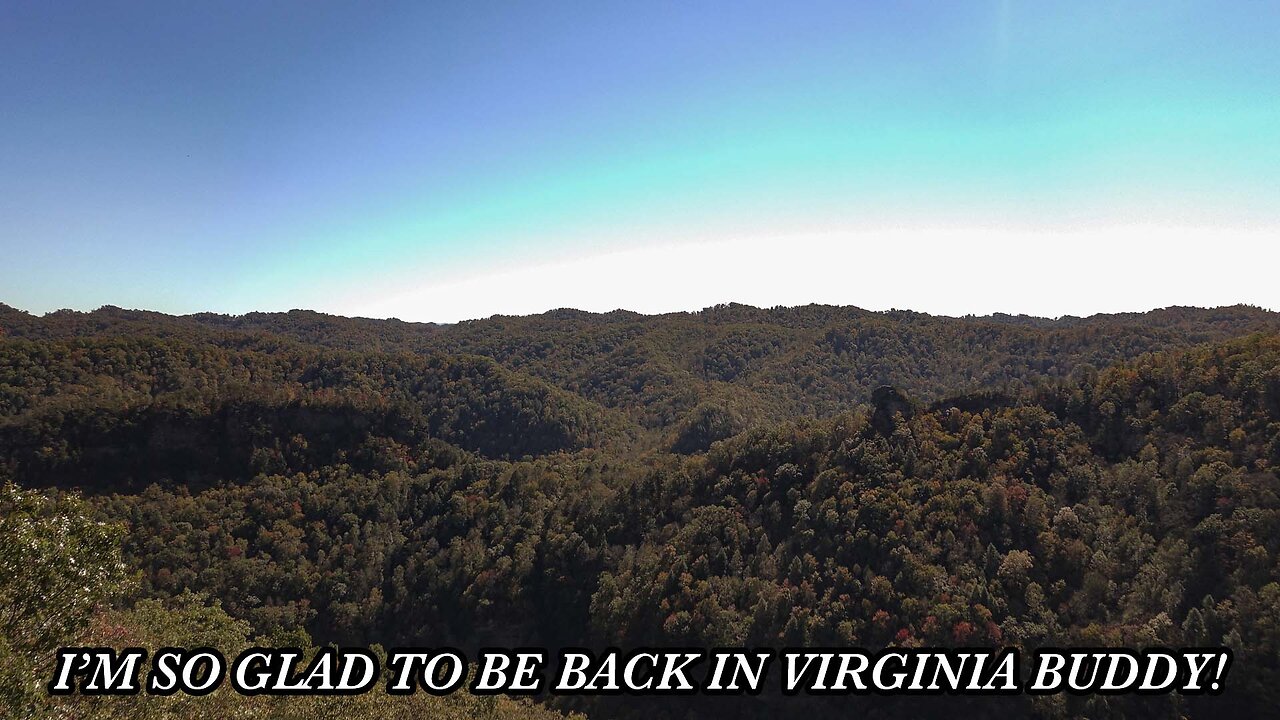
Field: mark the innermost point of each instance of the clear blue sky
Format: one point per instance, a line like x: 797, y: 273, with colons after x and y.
x: 414, y: 159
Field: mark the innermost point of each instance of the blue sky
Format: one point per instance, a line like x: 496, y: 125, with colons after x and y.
x: 437, y: 161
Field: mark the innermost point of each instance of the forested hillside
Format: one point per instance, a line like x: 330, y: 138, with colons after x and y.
x: 691, y: 378
x: 794, y: 476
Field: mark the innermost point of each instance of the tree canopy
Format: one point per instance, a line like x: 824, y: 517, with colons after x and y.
x: 735, y: 477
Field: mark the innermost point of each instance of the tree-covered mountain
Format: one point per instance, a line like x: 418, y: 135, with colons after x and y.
x: 735, y: 477
x: 736, y: 363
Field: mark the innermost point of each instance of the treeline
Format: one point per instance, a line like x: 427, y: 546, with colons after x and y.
x: 63, y: 583
x: 384, y: 497
x: 748, y: 364
x: 122, y: 413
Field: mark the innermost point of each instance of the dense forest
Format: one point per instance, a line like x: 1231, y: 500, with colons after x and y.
x: 822, y: 476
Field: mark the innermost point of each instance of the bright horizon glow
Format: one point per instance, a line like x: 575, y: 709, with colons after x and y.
x: 449, y: 160
x: 692, y: 276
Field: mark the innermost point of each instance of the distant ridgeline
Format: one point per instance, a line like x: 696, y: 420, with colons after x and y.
x: 817, y: 476
x: 686, y: 378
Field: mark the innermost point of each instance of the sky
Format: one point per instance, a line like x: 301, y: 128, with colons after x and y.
x: 439, y: 161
